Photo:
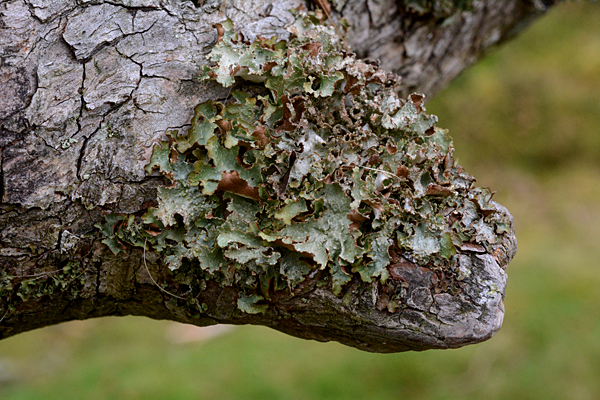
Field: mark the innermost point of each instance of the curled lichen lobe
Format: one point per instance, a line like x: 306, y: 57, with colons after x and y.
x: 327, y: 168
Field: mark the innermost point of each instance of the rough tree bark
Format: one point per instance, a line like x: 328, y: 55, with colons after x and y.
x: 89, y: 87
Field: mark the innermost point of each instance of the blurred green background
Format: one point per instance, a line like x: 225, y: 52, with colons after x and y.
x: 526, y: 123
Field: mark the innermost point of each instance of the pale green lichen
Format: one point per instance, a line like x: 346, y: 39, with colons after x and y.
x: 327, y: 169
x: 65, y: 144
x: 16, y: 290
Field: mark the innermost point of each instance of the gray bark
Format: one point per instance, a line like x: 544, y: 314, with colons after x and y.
x: 89, y: 87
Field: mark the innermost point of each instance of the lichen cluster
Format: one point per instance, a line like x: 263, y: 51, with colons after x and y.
x: 325, y: 168
x: 17, y: 289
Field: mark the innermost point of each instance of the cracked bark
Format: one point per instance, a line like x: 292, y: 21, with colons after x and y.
x: 88, y: 89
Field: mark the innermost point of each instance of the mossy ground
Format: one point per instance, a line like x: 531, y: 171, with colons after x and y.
x: 544, y: 170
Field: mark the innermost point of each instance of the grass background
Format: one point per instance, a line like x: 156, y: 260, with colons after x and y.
x: 526, y: 123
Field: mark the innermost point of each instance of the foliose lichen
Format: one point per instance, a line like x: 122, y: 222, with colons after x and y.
x: 326, y: 168
x: 15, y: 290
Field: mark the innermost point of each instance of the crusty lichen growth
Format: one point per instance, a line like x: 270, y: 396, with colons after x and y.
x: 327, y: 170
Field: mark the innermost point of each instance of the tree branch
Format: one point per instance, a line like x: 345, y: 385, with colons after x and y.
x: 88, y: 90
